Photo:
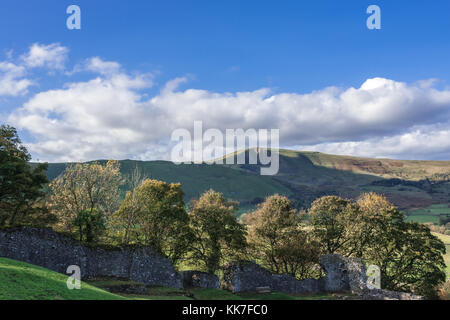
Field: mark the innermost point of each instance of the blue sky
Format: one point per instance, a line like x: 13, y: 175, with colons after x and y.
x: 293, y: 46
x: 288, y: 47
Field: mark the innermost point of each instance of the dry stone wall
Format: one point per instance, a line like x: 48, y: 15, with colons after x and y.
x: 341, y: 275
x: 51, y: 250
x: 197, y: 279
x: 54, y: 251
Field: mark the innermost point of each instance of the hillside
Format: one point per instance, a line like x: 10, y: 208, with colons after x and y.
x: 421, y: 188
x: 23, y: 281
x: 446, y: 240
x: 197, y: 178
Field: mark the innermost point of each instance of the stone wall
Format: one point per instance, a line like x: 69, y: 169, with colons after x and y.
x: 197, y: 279
x: 341, y: 275
x: 51, y: 250
x: 244, y: 276
x: 288, y: 284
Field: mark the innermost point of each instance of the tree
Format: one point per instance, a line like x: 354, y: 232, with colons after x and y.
x: 85, y: 187
x: 409, y: 256
x: 153, y: 214
x: 90, y: 225
x: 331, y: 217
x: 128, y: 218
x: 217, y: 235
x: 277, y: 240
x: 21, y: 185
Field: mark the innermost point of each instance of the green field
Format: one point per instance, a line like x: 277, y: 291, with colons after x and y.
x: 446, y: 240
x: 429, y: 214
x: 23, y: 281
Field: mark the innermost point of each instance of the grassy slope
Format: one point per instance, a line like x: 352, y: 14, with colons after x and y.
x: 305, y: 176
x: 446, y: 240
x: 195, y: 179
x: 386, y: 168
x: 313, y: 174
x: 23, y: 281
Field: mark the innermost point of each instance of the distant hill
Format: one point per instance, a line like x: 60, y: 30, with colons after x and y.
x: 414, y: 186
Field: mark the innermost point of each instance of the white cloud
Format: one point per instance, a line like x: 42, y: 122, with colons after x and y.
x: 52, y: 56
x: 103, y: 67
x: 110, y: 117
x: 12, y: 80
x: 420, y: 144
x: 97, y: 65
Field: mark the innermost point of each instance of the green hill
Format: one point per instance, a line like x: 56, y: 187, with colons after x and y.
x: 239, y: 185
x: 23, y: 281
x: 417, y: 187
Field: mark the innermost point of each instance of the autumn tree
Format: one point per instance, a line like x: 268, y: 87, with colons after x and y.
x: 85, y: 187
x: 153, y: 214
x: 278, y: 241
x: 21, y: 184
x: 126, y: 220
x: 410, y: 258
x: 217, y: 234
x: 330, y: 217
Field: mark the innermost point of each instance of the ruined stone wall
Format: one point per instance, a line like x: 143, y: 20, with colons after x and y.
x: 51, y: 250
x: 244, y: 276
x: 341, y: 275
x: 197, y: 279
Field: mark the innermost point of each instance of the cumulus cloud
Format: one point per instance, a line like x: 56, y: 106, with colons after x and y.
x: 111, y: 117
x: 97, y: 65
x: 12, y: 80
x: 52, y: 56
x: 429, y: 142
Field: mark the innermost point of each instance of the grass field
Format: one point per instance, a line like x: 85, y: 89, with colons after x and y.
x: 23, y: 281
x: 217, y: 294
x: 446, y: 240
x: 429, y: 214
